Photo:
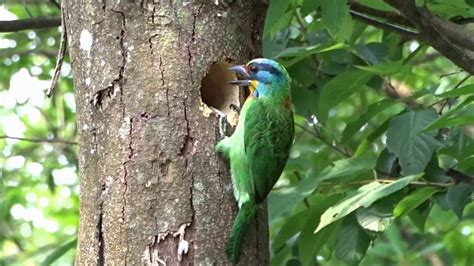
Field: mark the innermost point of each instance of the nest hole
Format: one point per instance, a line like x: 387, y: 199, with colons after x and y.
x: 218, y: 94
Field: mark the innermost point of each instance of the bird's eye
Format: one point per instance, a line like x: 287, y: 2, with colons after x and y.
x: 253, y: 68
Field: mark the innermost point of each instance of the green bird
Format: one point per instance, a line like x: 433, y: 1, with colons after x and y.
x: 259, y: 147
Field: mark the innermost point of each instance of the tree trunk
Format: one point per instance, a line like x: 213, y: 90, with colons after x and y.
x: 153, y: 191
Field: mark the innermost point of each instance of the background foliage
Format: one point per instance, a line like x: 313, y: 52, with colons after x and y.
x: 38, y: 180
x: 379, y: 172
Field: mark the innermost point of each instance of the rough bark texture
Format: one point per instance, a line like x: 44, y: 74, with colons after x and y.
x: 150, y: 179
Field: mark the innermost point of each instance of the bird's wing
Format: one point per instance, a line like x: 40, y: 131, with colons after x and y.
x: 268, y: 136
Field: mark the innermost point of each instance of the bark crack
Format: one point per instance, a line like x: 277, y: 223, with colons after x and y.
x: 100, y: 227
x: 131, y: 153
x: 163, y: 84
x: 102, y: 96
x: 193, y: 41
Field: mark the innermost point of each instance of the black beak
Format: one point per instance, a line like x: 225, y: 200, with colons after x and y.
x: 242, y: 73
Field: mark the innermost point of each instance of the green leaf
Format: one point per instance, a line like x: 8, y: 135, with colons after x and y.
x: 458, y: 196
x: 387, y: 68
x: 339, y: 88
x: 309, y: 50
x: 292, y: 225
x: 364, y: 145
x: 412, y: 201
x: 447, y: 121
x: 413, y: 149
x: 352, y: 241
x: 284, y: 200
x: 277, y: 17
x: 372, y: 110
x: 373, y: 220
x: 418, y: 217
x: 309, y: 243
x: 335, y: 16
x: 449, y: 118
x: 364, y: 197
x: 59, y: 252
x: 464, y: 90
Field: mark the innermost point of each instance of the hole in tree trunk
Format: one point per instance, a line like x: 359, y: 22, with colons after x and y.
x: 216, y: 92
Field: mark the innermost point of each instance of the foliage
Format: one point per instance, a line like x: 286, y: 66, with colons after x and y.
x: 382, y: 122
x: 38, y: 180
x: 388, y: 117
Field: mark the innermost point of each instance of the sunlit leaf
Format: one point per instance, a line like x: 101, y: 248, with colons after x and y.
x: 415, y: 199
x: 364, y: 197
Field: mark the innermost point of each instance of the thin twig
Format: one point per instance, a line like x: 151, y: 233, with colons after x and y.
x: 61, y: 141
x: 305, y: 200
x: 61, y: 53
x: 389, y: 181
x: 318, y: 136
x: 455, y: 87
x: 385, y: 26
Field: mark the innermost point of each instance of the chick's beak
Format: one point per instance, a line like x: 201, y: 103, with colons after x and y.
x: 242, y: 73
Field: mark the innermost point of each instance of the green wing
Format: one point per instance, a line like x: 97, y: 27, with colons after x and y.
x: 268, y: 137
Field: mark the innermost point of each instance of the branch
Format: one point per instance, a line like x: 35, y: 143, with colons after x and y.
x: 29, y: 24
x: 454, y: 32
x: 384, y: 26
x: 387, y: 15
x: 460, y: 177
x: 387, y: 181
x: 432, y: 35
x: 41, y: 140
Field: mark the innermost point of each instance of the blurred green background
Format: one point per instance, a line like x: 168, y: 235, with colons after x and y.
x: 369, y: 105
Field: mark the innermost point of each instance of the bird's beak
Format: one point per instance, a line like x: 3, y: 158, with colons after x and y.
x: 242, y: 73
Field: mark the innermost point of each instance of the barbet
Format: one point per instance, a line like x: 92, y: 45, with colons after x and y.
x: 260, y: 145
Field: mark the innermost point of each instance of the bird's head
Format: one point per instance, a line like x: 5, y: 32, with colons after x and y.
x: 264, y: 77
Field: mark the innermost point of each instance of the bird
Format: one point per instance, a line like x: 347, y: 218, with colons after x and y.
x: 260, y: 145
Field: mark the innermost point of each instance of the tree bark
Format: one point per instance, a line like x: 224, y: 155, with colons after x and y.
x: 152, y: 186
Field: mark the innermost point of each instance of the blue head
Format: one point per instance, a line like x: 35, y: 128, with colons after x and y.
x: 264, y: 77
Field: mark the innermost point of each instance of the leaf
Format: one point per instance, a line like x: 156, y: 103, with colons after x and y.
x: 450, y: 121
x: 371, y: 219
x: 372, y: 110
x: 412, y: 201
x: 387, y: 163
x: 339, y: 88
x: 418, y: 217
x: 364, y: 197
x: 292, y: 225
x: 277, y: 17
x: 464, y: 90
x: 449, y: 118
x: 413, y: 149
x: 387, y: 68
x: 309, y: 243
x: 59, y: 252
x: 284, y: 200
x: 335, y: 16
x: 309, y: 50
x: 364, y: 145
x: 352, y: 242
x: 458, y: 196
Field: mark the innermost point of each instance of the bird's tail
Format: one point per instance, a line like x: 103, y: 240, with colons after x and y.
x: 244, y: 217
